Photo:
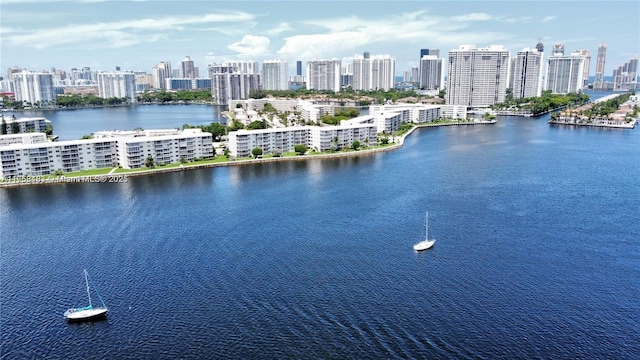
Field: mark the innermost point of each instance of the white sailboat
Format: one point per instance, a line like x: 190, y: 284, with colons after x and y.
x: 88, y: 312
x: 426, y: 243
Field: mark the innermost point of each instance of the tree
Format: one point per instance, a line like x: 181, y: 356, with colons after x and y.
x: 3, y: 127
x: 256, y: 152
x: 300, y: 149
x: 150, y: 163
x: 15, y: 128
x: 355, y: 145
x: 442, y: 93
x: 257, y: 125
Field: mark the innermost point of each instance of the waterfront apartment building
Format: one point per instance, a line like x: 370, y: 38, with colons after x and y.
x: 119, y: 84
x: 587, y: 64
x: 564, y: 73
x: 374, y: 72
x: 431, y: 74
x: 320, y: 138
x: 159, y: 74
x: 188, y: 84
x: 11, y: 125
x: 34, y: 87
x: 477, y: 77
x: 128, y: 149
x: 598, y: 82
x: 526, y: 72
x: 188, y: 68
x: 229, y: 83
x: 274, y: 75
x: 323, y: 75
x: 625, y: 76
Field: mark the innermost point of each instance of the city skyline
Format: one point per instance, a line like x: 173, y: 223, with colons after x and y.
x: 137, y: 35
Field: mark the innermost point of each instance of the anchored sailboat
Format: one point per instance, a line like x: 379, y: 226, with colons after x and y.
x: 426, y: 243
x: 88, y: 312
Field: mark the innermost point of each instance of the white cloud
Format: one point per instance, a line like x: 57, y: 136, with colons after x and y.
x: 119, y: 33
x: 282, y: 27
x: 353, y: 33
x: 549, y: 18
x: 251, y: 45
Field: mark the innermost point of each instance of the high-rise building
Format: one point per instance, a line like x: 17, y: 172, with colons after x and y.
x: 188, y: 69
x: 374, y: 73
x: 564, y: 73
x: 431, y: 74
x: 540, y: 46
x: 13, y: 70
x: 477, y: 77
x: 299, y: 68
x: 435, y: 52
x: 558, y: 48
x: 245, y: 66
x: 598, y: 82
x: 625, y: 76
x: 117, y: 84
x: 323, y: 75
x: 34, y: 87
x: 229, y: 83
x: 160, y: 73
x: 587, y: 64
x: 415, y: 74
x: 526, y: 72
x: 274, y: 75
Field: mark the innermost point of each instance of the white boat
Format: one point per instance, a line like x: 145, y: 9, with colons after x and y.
x: 88, y: 312
x: 426, y: 243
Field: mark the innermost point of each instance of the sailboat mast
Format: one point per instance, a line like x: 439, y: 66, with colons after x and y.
x: 426, y: 226
x: 86, y: 280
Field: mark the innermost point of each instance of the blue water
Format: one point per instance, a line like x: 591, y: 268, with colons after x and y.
x: 74, y: 124
x: 537, y: 254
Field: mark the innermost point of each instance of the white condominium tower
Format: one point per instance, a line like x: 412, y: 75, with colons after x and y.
x: 526, y: 72
x: 477, y: 77
x: 431, y: 74
x: 374, y: 73
x: 34, y: 87
x: 159, y: 74
x: 323, y: 75
x: 564, y: 73
x: 598, y: 82
x: 117, y: 84
x: 188, y: 68
x: 275, y: 75
x: 587, y: 64
x: 245, y: 66
x: 229, y: 83
x: 625, y: 76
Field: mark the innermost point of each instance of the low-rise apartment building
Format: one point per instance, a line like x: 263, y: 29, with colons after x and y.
x: 128, y: 149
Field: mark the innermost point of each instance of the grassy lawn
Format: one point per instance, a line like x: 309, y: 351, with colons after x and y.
x: 102, y: 171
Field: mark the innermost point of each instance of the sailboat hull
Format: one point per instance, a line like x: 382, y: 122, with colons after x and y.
x: 424, y: 245
x: 85, y: 314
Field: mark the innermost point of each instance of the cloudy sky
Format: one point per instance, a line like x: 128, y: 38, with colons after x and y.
x: 136, y: 35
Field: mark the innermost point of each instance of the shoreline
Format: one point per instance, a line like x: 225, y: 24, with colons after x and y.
x: 113, y: 177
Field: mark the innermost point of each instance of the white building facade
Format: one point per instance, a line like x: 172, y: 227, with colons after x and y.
x: 34, y: 87
x: 526, y: 72
x: 118, y: 84
x: 477, y: 77
x: 564, y: 73
x: 323, y: 75
x: 275, y: 74
x: 159, y: 74
x: 373, y: 72
x: 107, y: 149
x: 431, y: 74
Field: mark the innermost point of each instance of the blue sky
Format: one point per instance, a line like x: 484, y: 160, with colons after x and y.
x: 136, y: 35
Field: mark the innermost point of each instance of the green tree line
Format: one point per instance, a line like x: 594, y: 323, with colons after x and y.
x: 541, y: 104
